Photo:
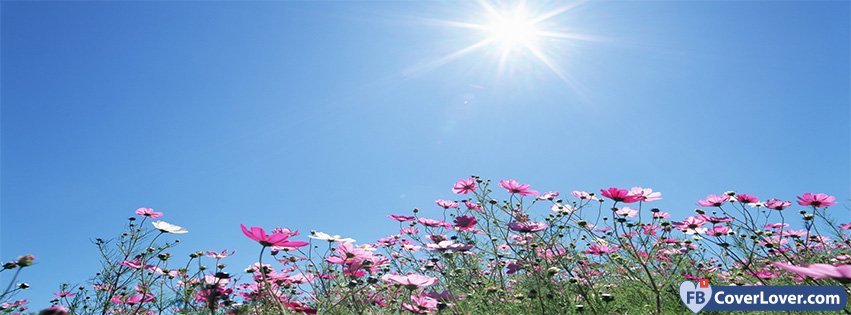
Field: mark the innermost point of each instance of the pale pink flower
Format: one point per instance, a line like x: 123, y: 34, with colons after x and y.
x: 473, y: 206
x: 219, y: 255
x: 411, y: 281
x: 434, y: 223
x: 777, y: 204
x: 714, y: 201
x: 446, y: 204
x: 464, y: 186
x: 691, y: 225
x: 661, y: 215
x: 645, y: 194
x: 627, y: 212
x: 548, y: 195
x: 816, y: 200
x: 819, y: 271
x: 583, y: 195
x: 845, y: 226
x: 718, y: 230
x: 421, y: 304
x: 516, y: 188
x: 148, y: 212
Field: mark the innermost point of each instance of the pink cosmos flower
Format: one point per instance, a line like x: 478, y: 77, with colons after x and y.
x: 745, y: 198
x: 64, y: 294
x: 516, y: 188
x: 421, y: 304
x: 718, y: 230
x: 691, y: 225
x: 277, y: 239
x: 140, y: 298
x: 464, y: 186
x: 411, y: 281
x: 527, y: 227
x: 645, y: 194
x: 795, y: 233
x: 627, y: 212
x: 148, y: 212
x: 816, y: 200
x: 819, y: 271
x: 135, y: 263
x: 409, y: 231
x: 776, y: 225
x: 600, y: 250
x: 715, y: 220
x: 777, y: 204
x: 219, y: 255
x: 714, y: 201
x: 53, y: 310
x: 446, y: 204
x: 401, y: 218
x: 548, y: 195
x: 464, y: 222
x: 583, y: 195
x: 473, y: 206
x: 434, y: 223
x: 764, y: 274
x: 618, y: 194
x: 845, y: 226
x: 661, y: 215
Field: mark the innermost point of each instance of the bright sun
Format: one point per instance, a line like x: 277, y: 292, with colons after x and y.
x: 514, y: 33
x: 512, y: 30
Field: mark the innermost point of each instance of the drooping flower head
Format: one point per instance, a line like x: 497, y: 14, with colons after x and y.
x: 464, y: 186
x: 516, y: 188
x: 275, y: 239
x: 816, y: 200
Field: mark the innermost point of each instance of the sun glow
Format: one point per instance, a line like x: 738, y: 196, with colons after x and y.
x: 515, y: 35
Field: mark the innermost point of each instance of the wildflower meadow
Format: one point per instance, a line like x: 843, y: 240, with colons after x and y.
x: 488, y: 248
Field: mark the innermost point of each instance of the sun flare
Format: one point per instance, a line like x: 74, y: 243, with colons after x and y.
x: 512, y: 30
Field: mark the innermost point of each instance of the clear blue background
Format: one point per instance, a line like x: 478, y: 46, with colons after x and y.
x: 309, y: 115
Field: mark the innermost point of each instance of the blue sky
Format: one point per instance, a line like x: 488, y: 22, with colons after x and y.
x: 322, y: 115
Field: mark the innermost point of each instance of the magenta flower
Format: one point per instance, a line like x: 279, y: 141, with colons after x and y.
x: 148, y: 212
x: 777, y: 204
x: 421, y: 304
x: 776, y: 225
x: 816, y: 200
x: 714, y: 201
x: 745, y: 198
x: 410, y: 281
x: 277, y: 239
x: 446, y: 204
x: 645, y: 194
x: 139, y: 298
x: 618, y: 194
x: 600, y: 250
x: 845, y: 226
x: 401, y: 218
x: 516, y: 188
x: 527, y: 227
x: 464, y: 186
x: 464, y: 222
x: 819, y: 271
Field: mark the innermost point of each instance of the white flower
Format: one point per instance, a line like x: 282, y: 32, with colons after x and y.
x: 166, y: 227
x: 562, y: 208
x: 330, y: 238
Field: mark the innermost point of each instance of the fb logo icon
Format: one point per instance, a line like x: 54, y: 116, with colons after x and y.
x: 694, y: 297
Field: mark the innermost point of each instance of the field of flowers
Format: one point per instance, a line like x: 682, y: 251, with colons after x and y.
x: 497, y: 248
